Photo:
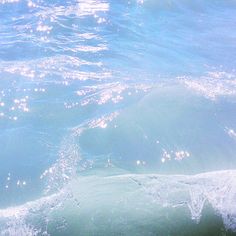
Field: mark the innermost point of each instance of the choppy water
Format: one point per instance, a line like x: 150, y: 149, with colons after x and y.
x: 117, y: 117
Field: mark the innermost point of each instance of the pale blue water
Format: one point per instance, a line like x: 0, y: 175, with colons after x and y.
x: 117, y: 117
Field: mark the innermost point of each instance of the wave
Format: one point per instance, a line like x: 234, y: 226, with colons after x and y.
x: 73, y: 66
x: 73, y: 194
x: 166, y: 191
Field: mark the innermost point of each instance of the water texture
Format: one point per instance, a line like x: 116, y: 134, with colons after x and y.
x: 117, y: 117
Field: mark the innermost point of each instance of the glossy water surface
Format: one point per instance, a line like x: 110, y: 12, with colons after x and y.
x: 117, y: 117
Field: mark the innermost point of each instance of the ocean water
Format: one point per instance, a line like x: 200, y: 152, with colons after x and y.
x: 117, y: 117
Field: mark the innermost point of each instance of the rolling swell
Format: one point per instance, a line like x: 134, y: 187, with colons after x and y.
x: 171, y: 194
x: 113, y: 110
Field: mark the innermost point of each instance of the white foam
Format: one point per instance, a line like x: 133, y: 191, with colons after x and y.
x: 14, y: 221
x: 217, y: 188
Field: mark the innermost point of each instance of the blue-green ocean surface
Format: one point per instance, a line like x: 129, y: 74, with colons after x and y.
x: 117, y: 117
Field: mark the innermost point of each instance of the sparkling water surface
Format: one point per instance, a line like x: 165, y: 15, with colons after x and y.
x: 117, y: 117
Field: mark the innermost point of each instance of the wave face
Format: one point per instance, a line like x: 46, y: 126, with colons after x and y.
x: 117, y: 117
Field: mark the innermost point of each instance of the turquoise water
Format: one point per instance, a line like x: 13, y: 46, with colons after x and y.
x: 117, y: 117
